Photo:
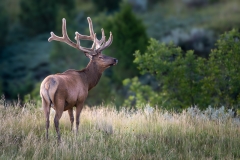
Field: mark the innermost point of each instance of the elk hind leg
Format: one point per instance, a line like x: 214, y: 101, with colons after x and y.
x: 46, y: 108
x: 59, y: 111
x: 70, y: 112
x: 56, y: 123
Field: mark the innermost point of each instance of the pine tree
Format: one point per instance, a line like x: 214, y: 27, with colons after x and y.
x: 129, y: 35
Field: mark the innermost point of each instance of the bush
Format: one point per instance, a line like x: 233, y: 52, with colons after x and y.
x: 178, y: 74
x: 223, y: 80
x: 139, y: 94
x: 188, y: 80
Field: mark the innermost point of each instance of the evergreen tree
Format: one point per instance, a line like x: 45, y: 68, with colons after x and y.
x: 129, y: 35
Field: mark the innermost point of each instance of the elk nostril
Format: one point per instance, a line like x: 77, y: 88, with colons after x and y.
x: 115, y: 60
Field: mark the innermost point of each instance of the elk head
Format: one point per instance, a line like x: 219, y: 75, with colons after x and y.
x: 68, y: 89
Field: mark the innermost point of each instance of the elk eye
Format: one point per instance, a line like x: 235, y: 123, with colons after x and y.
x: 100, y: 57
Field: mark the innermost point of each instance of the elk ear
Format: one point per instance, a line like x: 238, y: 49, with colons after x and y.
x: 88, y: 55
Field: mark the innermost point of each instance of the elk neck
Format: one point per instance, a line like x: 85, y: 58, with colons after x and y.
x: 93, y: 73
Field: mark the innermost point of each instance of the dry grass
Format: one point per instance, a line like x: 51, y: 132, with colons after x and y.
x: 108, y: 134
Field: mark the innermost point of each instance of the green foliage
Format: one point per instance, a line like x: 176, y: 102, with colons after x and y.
x: 129, y: 35
x: 108, y: 5
x: 24, y: 64
x: 4, y: 27
x: 67, y: 5
x: 101, y: 94
x: 34, y: 95
x: 3, y: 31
x: 188, y: 80
x: 139, y: 94
x: 1, y: 90
x: 224, y: 78
x: 178, y: 73
x: 39, y: 16
x: 63, y: 57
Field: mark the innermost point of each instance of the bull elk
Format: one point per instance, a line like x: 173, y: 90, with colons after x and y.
x: 69, y: 89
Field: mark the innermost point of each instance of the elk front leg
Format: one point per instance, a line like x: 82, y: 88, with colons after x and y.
x: 78, y: 112
x: 70, y: 112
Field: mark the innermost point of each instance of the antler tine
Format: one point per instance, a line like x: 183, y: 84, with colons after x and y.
x: 107, y: 44
x: 64, y: 38
x: 85, y: 37
x: 94, y: 42
x: 64, y: 28
x: 90, y: 28
x: 85, y: 50
x: 103, y: 37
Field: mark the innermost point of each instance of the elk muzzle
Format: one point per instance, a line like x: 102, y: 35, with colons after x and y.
x: 115, y: 62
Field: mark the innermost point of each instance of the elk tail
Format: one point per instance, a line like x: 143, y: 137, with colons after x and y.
x: 48, y: 91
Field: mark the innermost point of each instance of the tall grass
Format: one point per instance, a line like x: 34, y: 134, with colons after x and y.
x: 107, y: 134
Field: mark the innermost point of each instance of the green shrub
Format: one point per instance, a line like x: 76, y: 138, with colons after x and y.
x: 223, y: 80
x: 140, y: 94
x: 34, y: 95
x: 187, y: 80
x: 178, y: 74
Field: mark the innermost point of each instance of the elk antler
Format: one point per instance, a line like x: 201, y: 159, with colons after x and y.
x: 98, y: 45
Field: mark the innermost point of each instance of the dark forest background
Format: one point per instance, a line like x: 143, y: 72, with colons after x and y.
x: 172, y: 53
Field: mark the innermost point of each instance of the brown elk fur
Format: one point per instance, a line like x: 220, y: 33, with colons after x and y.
x: 65, y: 90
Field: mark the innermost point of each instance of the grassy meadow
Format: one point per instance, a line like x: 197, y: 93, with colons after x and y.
x: 109, y: 134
